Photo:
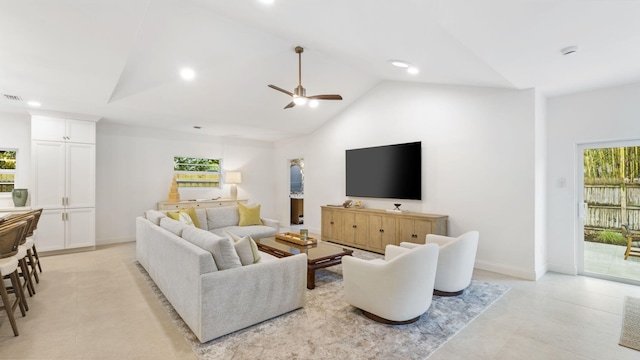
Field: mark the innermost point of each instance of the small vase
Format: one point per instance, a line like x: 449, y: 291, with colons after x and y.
x: 19, y: 197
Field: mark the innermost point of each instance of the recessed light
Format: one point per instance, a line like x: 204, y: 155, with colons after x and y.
x: 267, y: 1
x: 187, y: 73
x: 569, y: 50
x: 400, y: 63
x: 413, y: 70
x: 34, y: 104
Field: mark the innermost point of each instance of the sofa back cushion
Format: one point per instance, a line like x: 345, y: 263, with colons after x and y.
x: 222, y: 216
x: 173, y: 226
x: 221, y: 248
x: 154, y: 216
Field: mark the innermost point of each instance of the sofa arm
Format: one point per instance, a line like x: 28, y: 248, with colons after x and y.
x: 236, y: 298
x: 272, y: 223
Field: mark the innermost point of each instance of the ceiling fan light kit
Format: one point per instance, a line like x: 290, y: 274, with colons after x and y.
x: 299, y: 94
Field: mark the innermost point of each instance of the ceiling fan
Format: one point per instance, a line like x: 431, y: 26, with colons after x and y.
x: 299, y: 95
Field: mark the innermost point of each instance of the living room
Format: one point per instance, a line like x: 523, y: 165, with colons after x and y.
x: 497, y: 160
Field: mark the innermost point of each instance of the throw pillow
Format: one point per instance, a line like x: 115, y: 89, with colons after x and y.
x: 194, y: 217
x: 246, y: 248
x: 182, y: 217
x: 221, y: 248
x: 249, y: 215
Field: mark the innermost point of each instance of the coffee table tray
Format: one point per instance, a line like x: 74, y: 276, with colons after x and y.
x: 295, y: 238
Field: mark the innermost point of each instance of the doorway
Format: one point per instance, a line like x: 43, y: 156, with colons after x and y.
x: 608, y: 192
x: 296, y: 191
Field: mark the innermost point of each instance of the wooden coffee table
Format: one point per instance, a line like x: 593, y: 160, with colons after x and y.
x: 319, y: 255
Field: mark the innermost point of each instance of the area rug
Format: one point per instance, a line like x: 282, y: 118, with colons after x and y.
x: 630, y: 335
x: 328, y: 327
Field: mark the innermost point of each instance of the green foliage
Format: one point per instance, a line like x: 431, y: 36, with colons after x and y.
x: 195, y: 164
x: 7, y: 159
x: 612, y: 165
x: 611, y: 237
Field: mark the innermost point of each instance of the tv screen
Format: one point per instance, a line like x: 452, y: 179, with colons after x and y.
x: 392, y: 171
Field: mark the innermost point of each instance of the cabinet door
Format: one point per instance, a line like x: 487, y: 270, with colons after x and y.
x: 421, y: 229
x: 48, y: 174
x: 360, y: 230
x: 349, y: 228
x: 81, y: 175
x: 331, y: 225
x: 50, y: 233
x: 80, y: 227
x: 407, y: 231
x: 382, y: 232
x: 79, y: 131
x: 48, y: 128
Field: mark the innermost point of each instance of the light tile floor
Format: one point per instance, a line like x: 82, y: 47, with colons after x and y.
x: 95, y: 305
x: 607, y: 259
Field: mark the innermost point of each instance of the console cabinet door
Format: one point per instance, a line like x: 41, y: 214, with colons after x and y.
x: 382, y: 232
x: 355, y: 229
x: 414, y: 230
x: 331, y: 225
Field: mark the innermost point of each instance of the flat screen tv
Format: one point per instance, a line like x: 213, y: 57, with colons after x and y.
x: 392, y: 171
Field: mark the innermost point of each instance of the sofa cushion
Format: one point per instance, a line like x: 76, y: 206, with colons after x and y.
x: 255, y: 231
x: 222, y: 216
x: 175, y: 227
x: 154, y: 216
x: 249, y: 215
x: 221, y: 248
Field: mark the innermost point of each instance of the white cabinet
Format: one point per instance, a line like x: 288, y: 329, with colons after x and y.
x: 66, y: 130
x: 70, y: 228
x: 64, y: 176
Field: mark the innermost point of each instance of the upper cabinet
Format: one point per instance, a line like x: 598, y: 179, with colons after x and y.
x: 65, y: 130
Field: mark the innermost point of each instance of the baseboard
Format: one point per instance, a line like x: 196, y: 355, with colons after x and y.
x: 506, y: 270
x: 563, y: 269
x: 114, y: 240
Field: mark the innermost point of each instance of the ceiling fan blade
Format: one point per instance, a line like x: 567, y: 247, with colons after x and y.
x: 325, y: 97
x: 281, y: 90
x: 290, y: 105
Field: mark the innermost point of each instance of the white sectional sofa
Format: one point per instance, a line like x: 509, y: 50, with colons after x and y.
x: 215, y: 302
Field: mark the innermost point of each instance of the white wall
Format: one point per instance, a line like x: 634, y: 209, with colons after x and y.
x: 478, y: 162
x: 602, y: 115
x: 15, y: 133
x: 135, y: 168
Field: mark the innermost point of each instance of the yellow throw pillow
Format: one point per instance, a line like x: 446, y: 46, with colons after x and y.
x: 249, y: 215
x: 192, y: 214
x: 187, y: 216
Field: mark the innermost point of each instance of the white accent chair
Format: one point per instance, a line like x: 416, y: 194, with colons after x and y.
x: 396, y: 290
x: 455, y: 262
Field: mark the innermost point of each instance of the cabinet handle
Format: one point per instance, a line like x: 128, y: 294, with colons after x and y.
x: 381, y: 230
x: 62, y: 214
x: 354, y: 226
x: 331, y: 223
x: 63, y: 202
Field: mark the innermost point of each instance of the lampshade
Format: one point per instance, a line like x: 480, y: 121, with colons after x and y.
x: 233, y: 177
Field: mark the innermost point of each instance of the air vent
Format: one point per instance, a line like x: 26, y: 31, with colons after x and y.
x: 12, y: 97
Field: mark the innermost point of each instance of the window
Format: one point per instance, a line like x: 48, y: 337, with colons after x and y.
x: 196, y: 172
x: 7, y: 170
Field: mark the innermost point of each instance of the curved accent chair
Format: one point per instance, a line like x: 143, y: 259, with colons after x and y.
x: 455, y: 262
x: 396, y: 290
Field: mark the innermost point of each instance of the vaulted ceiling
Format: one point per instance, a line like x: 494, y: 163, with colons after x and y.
x: 120, y: 59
